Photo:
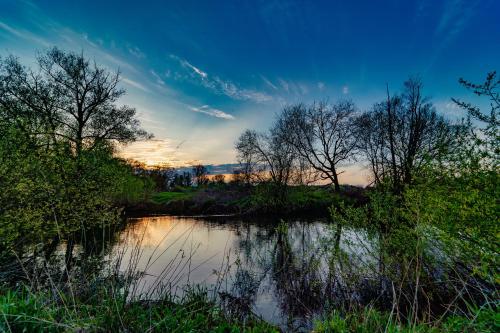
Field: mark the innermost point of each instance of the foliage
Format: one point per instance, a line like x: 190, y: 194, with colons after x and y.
x: 58, y: 127
x: 439, y: 233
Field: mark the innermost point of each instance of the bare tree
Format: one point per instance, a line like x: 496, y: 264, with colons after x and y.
x: 247, y: 158
x: 71, y: 98
x: 270, y: 153
x: 321, y: 134
x: 200, y: 175
x: 400, y: 136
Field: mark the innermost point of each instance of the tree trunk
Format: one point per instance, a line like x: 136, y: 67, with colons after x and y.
x: 70, y: 245
x: 336, y: 182
x: 391, y: 142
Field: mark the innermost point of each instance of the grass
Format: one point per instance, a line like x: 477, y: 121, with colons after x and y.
x: 303, y: 196
x: 166, y: 197
x: 22, y: 310
x: 111, y: 298
x: 230, y: 198
x: 484, y: 320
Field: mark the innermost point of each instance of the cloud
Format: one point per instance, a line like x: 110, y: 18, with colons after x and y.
x: 296, y: 89
x: 135, y: 51
x: 321, y: 86
x: 450, y: 109
x: 345, y: 90
x: 158, y: 78
x: 455, y: 16
x: 23, y: 34
x: 218, y: 85
x: 74, y: 40
x: 454, y: 19
x: 269, y: 83
x: 184, y: 63
x: 212, y: 112
x: 230, y: 89
x: 154, y: 152
x: 134, y: 84
x: 284, y: 85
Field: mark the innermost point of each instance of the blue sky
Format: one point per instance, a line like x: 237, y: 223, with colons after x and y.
x: 200, y: 72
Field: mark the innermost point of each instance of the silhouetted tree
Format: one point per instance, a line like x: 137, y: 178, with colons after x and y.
x: 200, y: 173
x: 403, y: 134
x: 247, y: 159
x: 270, y: 152
x: 320, y: 134
x: 67, y: 98
x: 183, y: 179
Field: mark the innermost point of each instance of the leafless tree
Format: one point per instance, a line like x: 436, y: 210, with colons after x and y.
x: 71, y: 98
x: 270, y: 153
x: 400, y: 136
x: 247, y: 158
x: 322, y: 135
x: 200, y: 173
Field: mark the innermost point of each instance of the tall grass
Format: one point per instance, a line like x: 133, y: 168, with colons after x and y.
x: 369, y: 320
x: 113, y: 297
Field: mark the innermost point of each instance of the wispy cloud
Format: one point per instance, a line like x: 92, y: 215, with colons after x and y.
x: 284, y: 85
x: 212, y: 112
x: 157, y: 77
x: 321, y: 86
x: 345, y: 90
x: 268, y: 83
x: 23, y: 34
x: 453, y: 20
x: 218, y: 85
x: 134, y: 84
x: 186, y: 64
x: 293, y: 88
x: 455, y: 16
x: 135, y: 51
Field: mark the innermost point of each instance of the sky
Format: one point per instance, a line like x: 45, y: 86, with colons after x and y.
x: 200, y: 72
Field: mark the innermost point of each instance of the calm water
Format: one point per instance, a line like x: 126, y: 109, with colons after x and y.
x: 284, y: 274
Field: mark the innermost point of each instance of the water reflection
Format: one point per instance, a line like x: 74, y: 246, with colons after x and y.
x: 285, y: 273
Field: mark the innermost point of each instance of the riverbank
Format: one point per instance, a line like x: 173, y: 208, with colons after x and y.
x: 24, y: 310
x: 105, y: 309
x: 259, y: 200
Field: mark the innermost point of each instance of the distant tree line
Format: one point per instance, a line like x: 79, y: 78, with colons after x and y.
x: 166, y: 177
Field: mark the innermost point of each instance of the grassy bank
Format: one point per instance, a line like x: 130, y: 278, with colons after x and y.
x: 484, y: 320
x: 106, y: 310
x: 256, y: 200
